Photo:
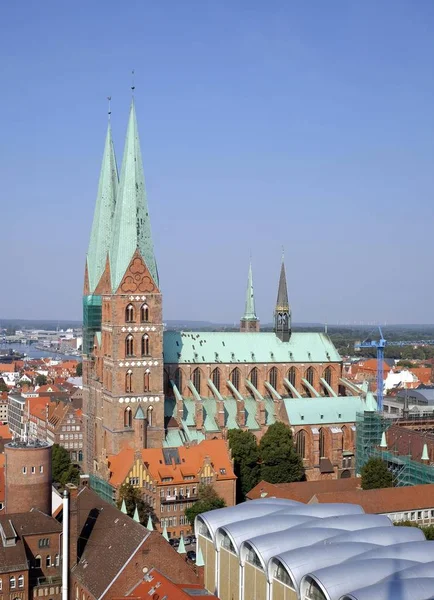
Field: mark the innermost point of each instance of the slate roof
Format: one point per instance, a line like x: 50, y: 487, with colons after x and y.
x: 228, y: 347
x: 33, y: 522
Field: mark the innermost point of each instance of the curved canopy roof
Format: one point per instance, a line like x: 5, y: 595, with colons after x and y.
x: 239, y: 531
x: 404, y: 589
x: 303, y: 560
x: 424, y: 569
x: 268, y: 545
x: 325, y: 510
x: 383, y: 536
x: 353, y: 522
x: 344, y: 578
x: 422, y: 551
x: 214, y: 519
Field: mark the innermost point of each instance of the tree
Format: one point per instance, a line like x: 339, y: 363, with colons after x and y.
x: 208, y: 500
x: 3, y: 386
x: 133, y: 498
x: 280, y: 462
x: 63, y: 471
x: 41, y: 380
x: 79, y: 369
x: 375, y: 475
x: 245, y: 453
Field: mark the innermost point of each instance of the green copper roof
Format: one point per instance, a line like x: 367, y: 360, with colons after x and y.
x: 101, y: 233
x: 201, y: 347
x: 250, y: 313
x: 327, y: 410
x: 131, y: 222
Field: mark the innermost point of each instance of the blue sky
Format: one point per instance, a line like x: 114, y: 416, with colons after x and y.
x: 303, y: 124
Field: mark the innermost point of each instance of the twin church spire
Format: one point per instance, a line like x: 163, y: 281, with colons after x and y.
x: 121, y: 224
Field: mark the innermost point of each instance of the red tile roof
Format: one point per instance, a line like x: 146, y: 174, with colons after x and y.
x: 302, y: 491
x: 156, y: 583
x: 5, y: 432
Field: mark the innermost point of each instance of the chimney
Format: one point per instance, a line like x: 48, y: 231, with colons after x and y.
x: 198, y: 414
x: 220, y: 416
x: 241, y: 414
x: 72, y: 520
x: 65, y: 545
x: 261, y: 416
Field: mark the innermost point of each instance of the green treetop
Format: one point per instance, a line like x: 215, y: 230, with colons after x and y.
x: 280, y: 462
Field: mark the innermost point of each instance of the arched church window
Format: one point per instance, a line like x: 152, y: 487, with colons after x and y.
x: 145, y: 345
x: 310, y: 373
x: 144, y: 313
x: 235, y: 378
x: 146, y: 381
x: 321, y: 443
x: 253, y: 377
x: 328, y: 375
x: 128, y: 417
x: 178, y: 379
x: 167, y: 386
x: 129, y: 381
x: 300, y: 443
x: 292, y: 376
x: 129, y: 313
x: 196, y: 379
x: 215, y: 378
x: 272, y: 377
x: 129, y: 346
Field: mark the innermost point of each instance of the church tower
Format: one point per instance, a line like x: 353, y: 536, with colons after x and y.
x: 250, y: 321
x: 122, y: 313
x: 282, y: 312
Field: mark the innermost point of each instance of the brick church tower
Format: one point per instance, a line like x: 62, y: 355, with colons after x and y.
x: 122, y: 314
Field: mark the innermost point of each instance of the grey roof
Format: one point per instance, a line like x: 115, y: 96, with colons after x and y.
x: 239, y: 531
x: 323, y: 510
x: 384, y: 536
x: 268, y: 545
x: 404, y: 589
x: 353, y: 522
x: 424, y: 569
x: 214, y: 519
x: 341, y: 579
x: 302, y: 560
x: 418, y: 396
x: 422, y: 551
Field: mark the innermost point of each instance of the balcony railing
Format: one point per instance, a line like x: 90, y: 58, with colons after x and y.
x: 179, y: 498
x: 52, y: 580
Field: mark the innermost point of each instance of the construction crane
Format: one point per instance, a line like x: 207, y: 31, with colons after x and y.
x: 380, y: 346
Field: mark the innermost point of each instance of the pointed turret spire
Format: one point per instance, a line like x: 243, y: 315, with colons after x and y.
x: 164, y: 534
x: 181, y: 547
x: 131, y: 223
x: 199, y: 559
x: 124, y: 507
x: 425, y: 455
x: 250, y: 321
x: 136, y: 515
x: 101, y: 234
x: 383, y: 443
x: 149, y: 525
x: 282, y: 313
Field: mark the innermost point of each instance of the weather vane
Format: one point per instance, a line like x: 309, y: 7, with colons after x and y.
x: 133, y: 87
x: 109, y: 98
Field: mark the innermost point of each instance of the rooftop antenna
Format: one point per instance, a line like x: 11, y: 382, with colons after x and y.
x: 133, y: 87
x: 109, y: 98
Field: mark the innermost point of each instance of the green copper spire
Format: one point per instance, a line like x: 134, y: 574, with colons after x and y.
x: 124, y: 507
x: 199, y: 559
x: 136, y: 515
x: 149, y: 525
x: 101, y: 233
x: 181, y: 547
x: 250, y: 313
x: 164, y: 534
x: 131, y: 223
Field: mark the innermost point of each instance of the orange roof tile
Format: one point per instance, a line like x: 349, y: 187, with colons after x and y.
x: 424, y: 374
x: 5, y: 432
x: 302, y: 491
x: 2, y: 485
x: 2, y: 460
x: 166, y: 588
x: 7, y: 367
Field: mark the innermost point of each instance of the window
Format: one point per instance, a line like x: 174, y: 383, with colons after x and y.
x: 44, y: 543
x: 310, y: 375
x: 300, y: 443
x: 178, y: 379
x: 129, y: 313
x: 128, y: 417
x: 145, y: 345
x: 321, y: 443
x: 253, y: 377
x: 292, y: 376
x: 37, y: 561
x: 272, y: 377
x: 12, y: 583
x: 146, y: 381
x: 41, y: 469
x: 33, y: 470
x: 235, y: 378
x: 282, y: 575
x: 24, y: 470
x: 328, y: 375
x: 129, y: 346
x: 196, y: 377
x: 215, y: 378
x: 144, y: 313
x: 48, y: 561
x: 129, y: 381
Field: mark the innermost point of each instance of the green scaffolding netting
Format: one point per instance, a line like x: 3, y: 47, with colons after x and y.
x: 102, y: 488
x: 92, y: 313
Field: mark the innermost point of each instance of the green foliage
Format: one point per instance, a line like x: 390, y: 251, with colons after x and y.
x: 41, y: 380
x: 3, y: 386
x: 280, y: 462
x: 133, y: 498
x: 405, y: 364
x: 427, y: 530
x: 79, y: 369
x: 375, y: 475
x: 245, y: 454
x: 208, y: 500
x: 63, y: 471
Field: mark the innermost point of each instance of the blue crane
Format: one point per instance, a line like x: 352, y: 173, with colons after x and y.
x: 380, y: 346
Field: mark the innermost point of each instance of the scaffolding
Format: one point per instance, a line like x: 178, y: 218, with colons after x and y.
x: 104, y: 490
x: 92, y: 314
x: 407, y: 471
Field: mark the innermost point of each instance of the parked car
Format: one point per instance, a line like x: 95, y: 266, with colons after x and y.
x: 191, y: 555
x: 187, y: 540
x: 174, y: 542
x: 192, y: 539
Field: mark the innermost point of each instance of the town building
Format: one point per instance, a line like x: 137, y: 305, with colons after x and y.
x: 3, y: 408
x: 281, y: 549
x: 16, y: 411
x: 191, y: 385
x: 170, y: 478
x: 156, y: 583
